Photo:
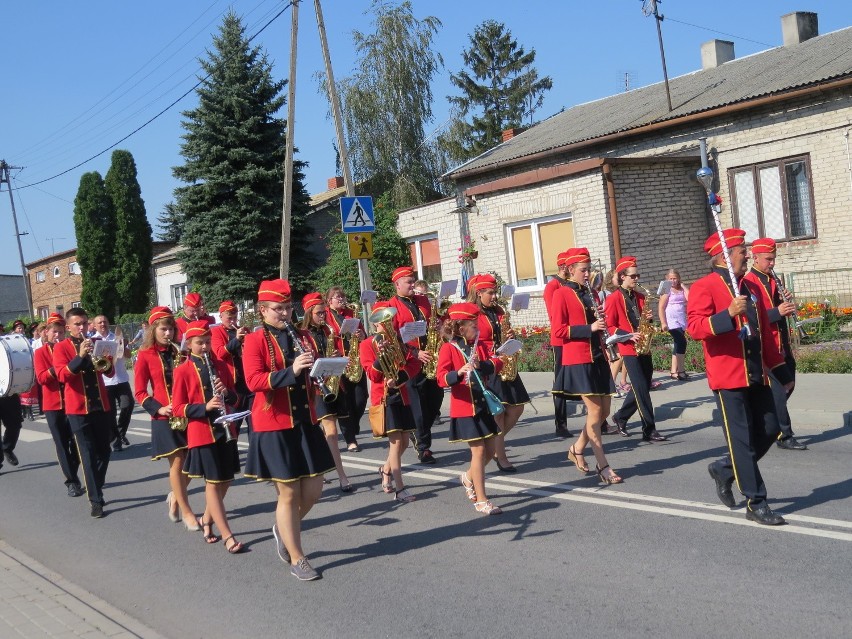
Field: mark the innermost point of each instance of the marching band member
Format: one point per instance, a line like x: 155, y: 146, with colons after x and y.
x: 396, y: 396
x: 513, y: 394
x: 87, y: 404
x: 460, y: 357
x: 202, y: 389
x: 155, y: 365
x: 226, y: 340
x: 286, y: 446
x: 412, y: 307
x: 736, y: 372
x: 319, y: 339
x: 778, y: 309
x: 622, y: 311
x: 52, y: 404
x: 190, y: 313
x: 585, y: 371
x: 357, y: 394
x: 559, y: 403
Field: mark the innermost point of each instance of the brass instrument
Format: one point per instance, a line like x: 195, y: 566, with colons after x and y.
x: 101, y: 364
x: 354, y: 371
x: 786, y: 296
x: 510, y: 362
x: 224, y: 410
x: 433, y: 338
x: 177, y: 423
x: 611, y: 349
x: 386, y: 345
x: 647, y: 328
x: 330, y: 385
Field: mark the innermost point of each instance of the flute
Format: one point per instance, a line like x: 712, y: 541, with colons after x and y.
x: 786, y: 296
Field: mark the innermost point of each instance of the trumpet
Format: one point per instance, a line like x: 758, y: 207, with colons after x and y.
x: 787, y: 296
x: 224, y: 410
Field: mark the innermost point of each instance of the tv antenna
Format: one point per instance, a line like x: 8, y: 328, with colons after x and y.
x: 649, y: 8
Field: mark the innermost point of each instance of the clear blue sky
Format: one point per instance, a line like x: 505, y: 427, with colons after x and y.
x: 78, y: 77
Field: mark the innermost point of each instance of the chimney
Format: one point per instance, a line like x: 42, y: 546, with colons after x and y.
x: 799, y: 26
x: 335, y: 182
x: 508, y: 134
x: 716, y: 53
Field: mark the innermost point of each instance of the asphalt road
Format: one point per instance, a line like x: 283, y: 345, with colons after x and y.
x: 656, y: 555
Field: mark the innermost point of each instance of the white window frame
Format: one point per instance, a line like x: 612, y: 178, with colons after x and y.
x: 40, y: 276
x: 76, y: 304
x: 73, y: 268
x: 181, y: 290
x: 56, y: 272
x: 419, y: 254
x: 540, y: 276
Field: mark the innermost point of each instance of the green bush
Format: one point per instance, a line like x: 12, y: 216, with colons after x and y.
x: 827, y: 357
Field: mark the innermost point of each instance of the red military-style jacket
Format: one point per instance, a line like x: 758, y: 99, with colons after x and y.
x: 78, y: 375
x: 618, y: 318
x: 732, y: 362
x: 51, y: 391
x: 571, y: 322
x: 192, y: 390
x: 154, y: 366
x: 223, y: 348
x: 549, y: 290
x: 281, y: 398
x: 405, y: 315
x: 369, y: 361
x: 490, y: 334
x: 464, y: 392
x: 771, y: 299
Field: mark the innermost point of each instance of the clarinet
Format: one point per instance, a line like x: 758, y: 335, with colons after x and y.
x: 222, y: 411
x: 784, y: 294
x: 610, y: 348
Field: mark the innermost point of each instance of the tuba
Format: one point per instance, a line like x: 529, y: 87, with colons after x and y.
x: 386, y: 345
x: 354, y: 372
x: 647, y: 329
x: 177, y: 423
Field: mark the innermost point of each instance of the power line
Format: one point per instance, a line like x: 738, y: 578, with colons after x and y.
x: 150, y: 120
x: 730, y: 35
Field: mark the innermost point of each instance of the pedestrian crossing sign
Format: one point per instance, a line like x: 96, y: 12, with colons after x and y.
x: 356, y: 214
x: 360, y: 246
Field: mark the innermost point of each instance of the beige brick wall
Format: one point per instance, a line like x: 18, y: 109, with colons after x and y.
x: 54, y: 292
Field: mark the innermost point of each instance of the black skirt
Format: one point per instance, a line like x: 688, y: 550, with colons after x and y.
x: 288, y: 455
x: 216, y: 463
x: 512, y: 393
x: 164, y: 440
x: 398, y: 417
x: 469, y: 429
x: 337, y: 408
x: 576, y: 380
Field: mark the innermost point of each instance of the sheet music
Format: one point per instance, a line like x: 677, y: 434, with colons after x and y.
x: 412, y: 330
x: 369, y: 297
x: 448, y: 287
x: 519, y: 302
x: 349, y: 325
x: 104, y: 348
x: 510, y: 347
x: 328, y: 366
x: 231, y: 417
x: 507, y: 290
x: 664, y: 288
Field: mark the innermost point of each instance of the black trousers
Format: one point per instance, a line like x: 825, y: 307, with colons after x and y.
x: 751, y: 427
x: 780, y: 397
x: 559, y: 403
x: 10, y: 416
x: 430, y: 396
x: 356, y: 403
x: 640, y: 369
x: 92, y: 433
x: 66, y: 449
x: 121, y: 398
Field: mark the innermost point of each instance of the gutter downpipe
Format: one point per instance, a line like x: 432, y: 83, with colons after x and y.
x: 613, y: 209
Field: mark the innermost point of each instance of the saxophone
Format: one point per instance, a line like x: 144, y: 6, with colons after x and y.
x: 177, y: 423
x: 433, y: 339
x: 647, y: 329
x: 354, y: 372
x: 330, y: 386
x: 510, y: 362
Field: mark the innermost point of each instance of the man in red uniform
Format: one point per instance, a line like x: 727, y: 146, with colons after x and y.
x: 778, y: 309
x: 736, y: 372
x: 86, y: 404
x: 559, y: 280
x: 191, y: 310
x: 411, y: 307
x: 226, y: 341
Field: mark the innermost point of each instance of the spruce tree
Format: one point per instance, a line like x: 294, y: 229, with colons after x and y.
x: 229, y: 210
x: 133, y: 248
x: 94, y: 226
x: 501, y: 89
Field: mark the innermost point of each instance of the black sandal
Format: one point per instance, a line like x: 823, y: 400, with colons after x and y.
x: 207, y: 529
x: 235, y: 548
x: 682, y: 375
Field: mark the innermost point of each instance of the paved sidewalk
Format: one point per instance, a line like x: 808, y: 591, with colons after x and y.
x: 36, y: 602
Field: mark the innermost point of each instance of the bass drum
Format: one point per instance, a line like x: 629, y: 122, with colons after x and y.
x: 17, y: 374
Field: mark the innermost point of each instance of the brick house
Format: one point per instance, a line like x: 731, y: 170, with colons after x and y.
x: 617, y: 175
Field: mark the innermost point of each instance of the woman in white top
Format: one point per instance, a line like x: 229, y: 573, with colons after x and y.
x: 672, y: 311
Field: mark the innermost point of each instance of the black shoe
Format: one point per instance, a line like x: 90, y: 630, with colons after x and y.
x: 791, y: 443
x: 654, y: 437
x: 562, y: 431
x: 608, y: 429
x: 125, y: 441
x: 505, y: 469
x: 97, y: 510
x: 723, y: 486
x: 764, y: 515
x: 426, y: 457
x: 75, y: 490
x: 10, y: 457
x: 117, y: 448
x: 621, y: 425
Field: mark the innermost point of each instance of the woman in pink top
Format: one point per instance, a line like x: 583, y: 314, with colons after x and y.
x: 672, y: 313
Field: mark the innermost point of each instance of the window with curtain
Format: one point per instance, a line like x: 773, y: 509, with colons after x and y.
x: 774, y: 199
x: 532, y: 248
x: 426, y: 257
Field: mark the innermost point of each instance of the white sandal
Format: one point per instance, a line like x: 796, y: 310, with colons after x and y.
x: 487, y: 508
x: 468, y: 486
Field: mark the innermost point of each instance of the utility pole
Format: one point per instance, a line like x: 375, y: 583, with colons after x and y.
x: 7, y: 178
x: 287, y: 213
x: 363, y: 267
x: 649, y: 8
